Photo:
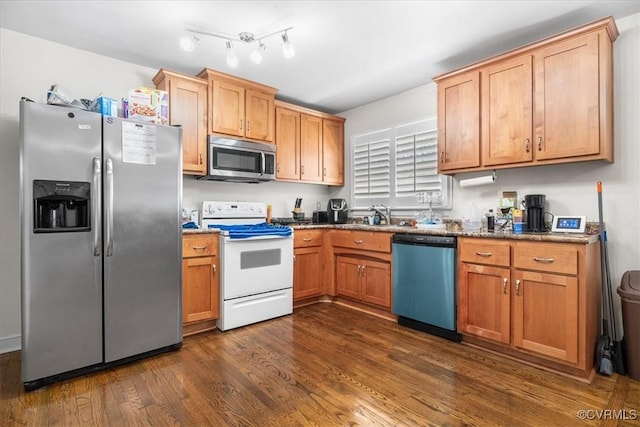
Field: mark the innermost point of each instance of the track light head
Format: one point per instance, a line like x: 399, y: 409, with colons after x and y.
x: 232, y: 58
x: 189, y: 43
x: 287, y: 48
x: 257, y: 54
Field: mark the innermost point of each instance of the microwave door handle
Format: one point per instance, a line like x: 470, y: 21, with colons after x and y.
x: 264, y: 166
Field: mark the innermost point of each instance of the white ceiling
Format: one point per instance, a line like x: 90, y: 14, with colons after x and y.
x: 348, y: 53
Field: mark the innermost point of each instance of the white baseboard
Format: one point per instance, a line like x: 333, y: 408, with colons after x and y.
x: 9, y: 344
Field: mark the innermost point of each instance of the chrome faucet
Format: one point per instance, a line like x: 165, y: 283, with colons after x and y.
x: 383, y: 211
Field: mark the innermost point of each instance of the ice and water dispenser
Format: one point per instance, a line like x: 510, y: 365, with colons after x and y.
x: 61, y: 206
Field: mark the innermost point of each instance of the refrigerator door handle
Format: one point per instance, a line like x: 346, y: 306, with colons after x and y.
x: 95, y: 207
x: 109, y: 208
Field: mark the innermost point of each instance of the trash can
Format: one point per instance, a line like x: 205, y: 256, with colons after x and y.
x: 629, y: 291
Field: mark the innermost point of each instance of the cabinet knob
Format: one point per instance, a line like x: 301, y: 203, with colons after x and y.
x: 307, y: 239
x: 539, y: 143
x: 213, y: 267
x: 248, y: 125
x: 200, y: 158
x: 302, y: 169
x: 199, y: 248
x: 526, y: 145
x: 442, y: 157
x: 358, y: 242
x: 324, y: 172
x: 504, y: 285
x: 518, y: 287
x: 240, y: 124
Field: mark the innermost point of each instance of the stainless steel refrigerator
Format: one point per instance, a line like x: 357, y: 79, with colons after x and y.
x: 101, y: 250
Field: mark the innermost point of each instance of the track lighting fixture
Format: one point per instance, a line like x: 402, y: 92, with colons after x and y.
x: 190, y: 43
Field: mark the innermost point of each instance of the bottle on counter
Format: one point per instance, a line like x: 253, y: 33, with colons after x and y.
x: 491, y: 221
x: 268, y: 214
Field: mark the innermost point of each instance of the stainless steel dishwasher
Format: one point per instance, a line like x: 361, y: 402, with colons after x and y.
x: 424, y: 283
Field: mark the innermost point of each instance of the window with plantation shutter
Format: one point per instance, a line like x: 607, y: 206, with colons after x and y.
x: 372, y: 168
x: 391, y: 166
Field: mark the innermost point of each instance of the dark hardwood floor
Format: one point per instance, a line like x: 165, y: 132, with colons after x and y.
x: 325, y: 365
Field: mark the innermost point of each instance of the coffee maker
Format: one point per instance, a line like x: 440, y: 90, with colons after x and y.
x: 337, y: 212
x: 534, y: 204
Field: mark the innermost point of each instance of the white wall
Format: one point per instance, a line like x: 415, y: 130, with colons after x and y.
x: 28, y: 67
x: 569, y: 189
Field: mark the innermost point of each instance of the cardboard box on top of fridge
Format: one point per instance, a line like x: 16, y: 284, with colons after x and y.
x: 107, y: 106
x: 148, y: 105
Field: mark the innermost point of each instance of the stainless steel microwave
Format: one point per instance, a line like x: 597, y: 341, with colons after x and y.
x: 239, y: 160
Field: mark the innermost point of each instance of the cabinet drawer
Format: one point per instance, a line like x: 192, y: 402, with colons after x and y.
x: 484, y: 251
x: 194, y: 245
x: 307, y: 238
x: 366, y: 240
x: 551, y: 257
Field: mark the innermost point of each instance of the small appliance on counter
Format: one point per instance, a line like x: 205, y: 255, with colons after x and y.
x: 319, y: 217
x: 337, y: 212
x: 534, y: 204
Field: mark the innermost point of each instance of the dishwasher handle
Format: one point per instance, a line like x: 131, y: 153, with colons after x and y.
x: 424, y: 240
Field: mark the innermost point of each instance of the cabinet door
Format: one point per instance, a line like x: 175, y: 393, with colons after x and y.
x: 307, y: 273
x: 200, y: 289
x: 259, y: 116
x: 333, y: 152
x: 287, y: 144
x: 188, y: 108
x: 484, y: 302
x: 348, y: 277
x: 545, y: 318
x: 376, y: 286
x: 459, y: 122
x: 228, y: 108
x: 567, y: 94
x: 507, y: 112
x: 310, y: 148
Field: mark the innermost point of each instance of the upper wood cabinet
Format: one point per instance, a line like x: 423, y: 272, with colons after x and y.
x: 309, y: 145
x: 459, y: 122
x: 187, y: 108
x: 548, y: 102
x: 240, y: 107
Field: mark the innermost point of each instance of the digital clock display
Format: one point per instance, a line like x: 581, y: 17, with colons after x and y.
x: 569, y: 223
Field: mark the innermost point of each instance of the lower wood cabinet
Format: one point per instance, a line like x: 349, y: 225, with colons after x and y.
x: 308, y: 280
x: 363, y: 279
x: 535, y: 300
x: 200, y: 282
x: 362, y: 263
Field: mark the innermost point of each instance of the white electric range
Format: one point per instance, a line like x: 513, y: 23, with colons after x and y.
x: 256, y: 263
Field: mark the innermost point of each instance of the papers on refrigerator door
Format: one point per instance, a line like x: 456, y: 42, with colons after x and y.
x: 139, y: 143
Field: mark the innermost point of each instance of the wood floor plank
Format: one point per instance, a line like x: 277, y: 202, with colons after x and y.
x: 325, y: 365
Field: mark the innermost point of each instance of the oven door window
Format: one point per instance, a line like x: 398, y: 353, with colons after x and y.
x: 236, y: 160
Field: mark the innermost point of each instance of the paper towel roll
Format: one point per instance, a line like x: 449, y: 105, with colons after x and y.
x: 481, y: 180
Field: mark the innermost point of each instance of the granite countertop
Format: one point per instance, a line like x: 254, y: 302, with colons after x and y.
x: 540, y: 237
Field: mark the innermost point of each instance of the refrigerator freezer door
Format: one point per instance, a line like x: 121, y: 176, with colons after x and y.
x: 143, y: 250
x: 61, y: 277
